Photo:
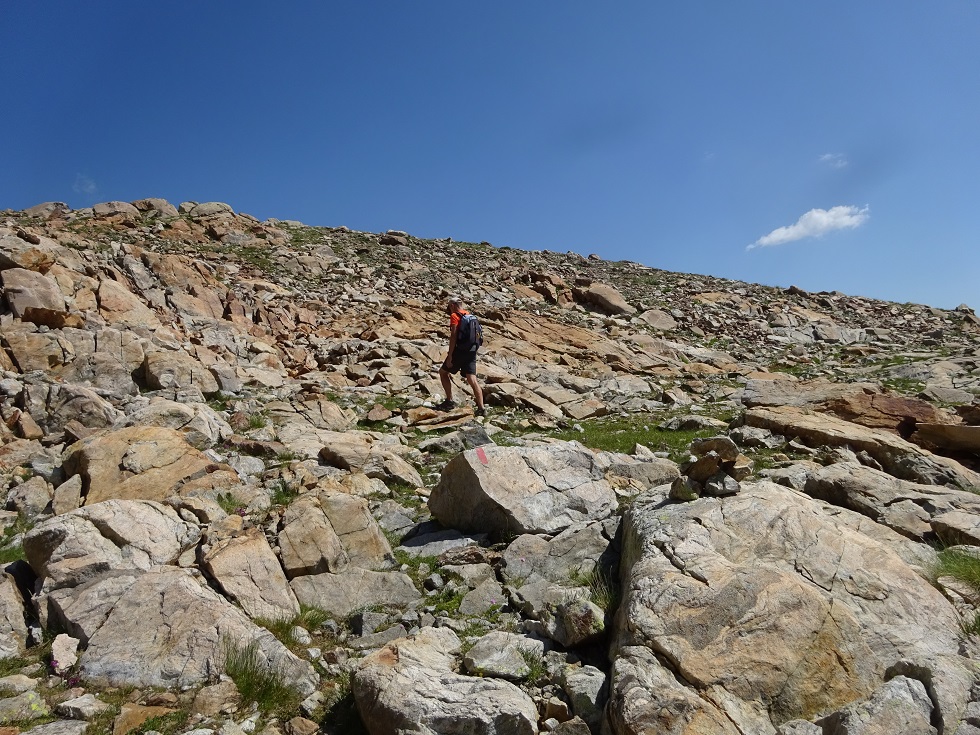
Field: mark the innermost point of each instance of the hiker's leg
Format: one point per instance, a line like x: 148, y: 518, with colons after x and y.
x: 447, y: 383
x: 477, y: 391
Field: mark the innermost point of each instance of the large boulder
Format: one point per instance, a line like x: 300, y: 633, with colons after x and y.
x: 948, y: 437
x: 749, y: 611
x: 517, y: 490
x: 247, y: 571
x: 376, y: 455
x: 898, y: 414
x: 45, y: 351
x: 138, y: 462
x: 120, y: 306
x: 31, y: 295
x: 410, y: 686
x: 13, y: 629
x: 167, y: 629
x: 16, y: 252
x: 545, y: 572
x: 328, y: 532
x: 607, y: 298
x: 168, y: 369
x: 200, y: 426
x: 157, y: 206
x: 110, y: 209
x: 76, y: 547
x: 57, y: 404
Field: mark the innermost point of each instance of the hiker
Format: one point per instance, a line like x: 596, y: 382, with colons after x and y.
x: 461, y: 357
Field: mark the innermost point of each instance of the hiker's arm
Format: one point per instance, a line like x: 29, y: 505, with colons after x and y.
x: 452, y: 342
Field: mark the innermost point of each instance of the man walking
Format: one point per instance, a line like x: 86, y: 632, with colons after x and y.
x: 461, y: 358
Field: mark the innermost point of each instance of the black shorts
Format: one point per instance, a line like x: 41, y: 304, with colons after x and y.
x: 463, y: 362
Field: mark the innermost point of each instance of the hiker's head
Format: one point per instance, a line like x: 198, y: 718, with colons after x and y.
x: 453, y: 305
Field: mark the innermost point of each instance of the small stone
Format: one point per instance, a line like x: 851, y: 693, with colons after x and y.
x: 301, y: 726
x: 684, y: 489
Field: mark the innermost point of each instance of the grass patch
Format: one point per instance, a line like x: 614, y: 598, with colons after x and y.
x: 448, y: 600
x: 404, y: 493
x: 414, y: 563
x: 623, y: 433
x: 13, y: 665
x: 959, y: 565
x: 256, y: 682
x: 12, y: 553
x: 170, y: 724
x: 904, y: 386
x: 309, y: 618
x: 228, y: 503
x: 258, y: 421
x: 603, y: 589
x: 536, y: 669
x: 971, y: 627
x: 283, y: 494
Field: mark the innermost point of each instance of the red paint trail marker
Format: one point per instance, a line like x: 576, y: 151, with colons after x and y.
x: 482, y: 456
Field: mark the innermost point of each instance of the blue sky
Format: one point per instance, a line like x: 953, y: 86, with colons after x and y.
x: 832, y: 145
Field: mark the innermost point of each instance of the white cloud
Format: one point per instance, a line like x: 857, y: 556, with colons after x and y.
x: 84, y: 185
x: 815, y: 223
x: 835, y: 160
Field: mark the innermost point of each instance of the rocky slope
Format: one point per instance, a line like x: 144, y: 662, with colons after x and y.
x: 696, y: 505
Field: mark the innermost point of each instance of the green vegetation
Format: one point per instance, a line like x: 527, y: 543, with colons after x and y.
x: 13, y: 665
x: 965, y: 567
x: 221, y: 402
x: 905, y: 386
x: 256, y: 682
x: 287, y: 456
x: 309, y: 618
x: 414, y: 563
x: 448, y: 600
x: 299, y: 236
x: 536, y: 669
x: 170, y: 724
x: 960, y: 565
x: 13, y: 551
x: 283, y: 493
x: 229, y: 504
x: 405, y: 494
x: 258, y: 421
x: 971, y: 627
x: 603, y: 589
x: 623, y: 433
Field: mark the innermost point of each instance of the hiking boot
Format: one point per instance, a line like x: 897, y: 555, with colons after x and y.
x: 446, y: 405
x: 481, y: 411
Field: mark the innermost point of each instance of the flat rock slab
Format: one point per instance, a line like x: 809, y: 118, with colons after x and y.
x: 355, y: 589
x: 906, y: 507
x: 898, y: 457
x: 949, y: 437
x: 502, y: 654
x: 248, y: 572
x: 781, y: 392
